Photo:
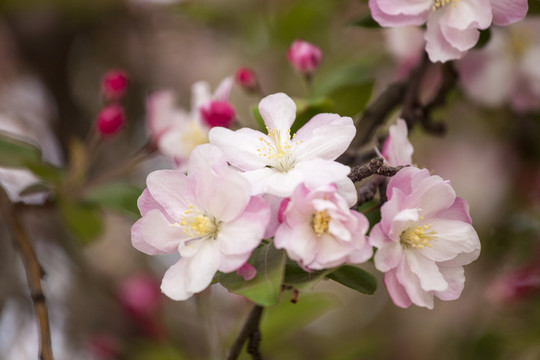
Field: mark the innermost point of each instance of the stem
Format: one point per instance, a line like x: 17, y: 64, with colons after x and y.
x: 249, y: 331
x: 34, y: 274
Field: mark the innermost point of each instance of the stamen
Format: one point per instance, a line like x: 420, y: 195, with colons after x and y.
x: 197, y: 225
x: 418, y: 237
x: 320, y: 222
x: 278, y: 151
x: 442, y: 3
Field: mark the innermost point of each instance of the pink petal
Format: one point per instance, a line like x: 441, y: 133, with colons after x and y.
x: 452, y: 238
x: 247, y: 271
x: 318, y: 172
x: 200, y: 95
x: 431, y: 195
x: 458, y: 211
x: 412, y: 286
x: 397, y: 149
x: 396, y: 290
x: 278, y: 111
x: 437, y: 47
x: 388, y: 256
x: 508, y: 11
x: 405, y: 7
x: 455, y: 278
x: 146, y: 202
x: 462, y: 40
x: 223, y: 91
x: 240, y: 146
x: 203, y: 266
x: 164, y: 187
x: 389, y: 20
x: 426, y: 270
x: 468, y: 14
x: 153, y: 234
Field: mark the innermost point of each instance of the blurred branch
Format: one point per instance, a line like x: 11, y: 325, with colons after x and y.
x: 34, y: 273
x: 249, y: 331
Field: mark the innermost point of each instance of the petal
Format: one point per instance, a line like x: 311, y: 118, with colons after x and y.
x: 396, y: 290
x: 458, y: 211
x: 397, y: 149
x: 200, y: 95
x: 172, y: 190
x: 426, y: 270
x: 431, y: 195
x: 300, y: 242
x: 232, y: 263
x: 244, y: 234
x: 160, y: 112
x: 460, y: 39
x: 412, y: 286
x: 452, y: 237
x: 240, y: 146
x: 468, y: 14
x: 389, y: 20
x: 455, y: 278
x: 146, y: 202
x: 273, y: 182
x: 402, y: 221
x: 326, y: 136
x: 406, y: 7
x: 153, y: 234
x: 330, y: 253
x: 318, y: 172
x: 346, y: 188
x: 437, y: 47
x: 223, y: 91
x: 174, y: 283
x: 388, y: 256
x: 203, y: 266
x: 508, y: 11
x: 278, y: 111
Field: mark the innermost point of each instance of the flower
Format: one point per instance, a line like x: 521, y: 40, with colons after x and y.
x: 452, y: 25
x: 208, y: 216
x: 277, y: 163
x: 304, y: 56
x: 114, y: 84
x: 506, y: 69
x: 397, y: 149
x: 177, y: 132
x: 319, y: 231
x: 110, y: 120
x: 424, y: 238
x: 246, y: 79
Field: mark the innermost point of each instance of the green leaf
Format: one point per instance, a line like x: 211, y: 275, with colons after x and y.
x: 83, y: 220
x: 300, y: 279
x: 118, y: 197
x: 352, y: 99
x: 355, y: 278
x: 366, y: 22
x: 372, y: 210
x: 17, y: 153
x: 258, y: 118
x: 47, y: 172
x: 534, y: 7
x: 265, y: 288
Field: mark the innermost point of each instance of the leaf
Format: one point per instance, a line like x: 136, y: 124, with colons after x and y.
x: 118, y: 197
x: 17, y: 153
x: 78, y: 164
x: 36, y: 188
x: 47, y: 172
x: 299, y: 278
x: 83, y: 220
x: 265, y: 288
x: 355, y: 278
x: 258, y: 118
x: 352, y: 99
x: 372, y: 210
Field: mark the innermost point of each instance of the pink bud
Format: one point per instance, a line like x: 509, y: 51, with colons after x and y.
x: 246, y: 78
x: 110, y: 120
x: 247, y: 271
x: 218, y: 113
x: 140, y: 295
x: 114, y: 84
x: 303, y: 56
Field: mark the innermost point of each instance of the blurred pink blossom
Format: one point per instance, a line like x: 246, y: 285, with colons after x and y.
x: 247, y: 271
x: 114, y: 84
x: 304, y: 56
x: 246, y: 79
x: 110, y: 120
x: 424, y: 238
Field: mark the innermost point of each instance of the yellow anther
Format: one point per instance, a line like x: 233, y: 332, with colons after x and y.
x: 320, y: 222
x: 437, y: 4
x: 417, y: 237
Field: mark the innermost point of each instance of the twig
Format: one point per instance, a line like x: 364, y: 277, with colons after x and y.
x: 251, y: 331
x: 374, y: 167
x: 34, y: 274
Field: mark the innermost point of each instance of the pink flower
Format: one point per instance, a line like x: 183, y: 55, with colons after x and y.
x: 110, y: 120
x: 397, y: 149
x: 114, y: 84
x: 177, y: 132
x: 506, y: 69
x: 319, y: 231
x: 208, y: 216
x: 246, y: 79
x: 304, y: 56
x: 424, y: 238
x: 277, y: 163
x: 452, y: 25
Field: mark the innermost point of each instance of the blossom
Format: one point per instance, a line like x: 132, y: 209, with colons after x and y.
x: 114, y: 84
x: 452, y: 25
x: 424, y: 238
x: 175, y: 131
x: 110, y: 120
x: 506, y: 69
x: 319, y: 231
x: 304, y: 56
x: 246, y: 79
x: 208, y: 216
x: 397, y: 149
x: 278, y: 162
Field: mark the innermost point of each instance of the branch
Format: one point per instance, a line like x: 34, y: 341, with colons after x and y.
x: 374, y: 167
x: 251, y: 331
x: 34, y: 274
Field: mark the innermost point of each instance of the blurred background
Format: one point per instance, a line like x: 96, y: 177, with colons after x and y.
x: 103, y: 295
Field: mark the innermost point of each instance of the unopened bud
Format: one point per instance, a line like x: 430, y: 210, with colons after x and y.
x: 110, y: 120
x: 304, y: 57
x: 246, y: 79
x: 218, y: 113
x: 114, y: 84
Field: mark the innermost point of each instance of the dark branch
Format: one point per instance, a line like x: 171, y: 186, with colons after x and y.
x: 249, y: 331
x: 374, y: 167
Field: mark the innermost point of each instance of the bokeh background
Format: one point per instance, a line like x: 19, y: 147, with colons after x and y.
x: 103, y: 295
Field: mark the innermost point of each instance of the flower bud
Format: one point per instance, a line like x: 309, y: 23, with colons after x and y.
x: 114, y: 84
x: 218, y: 113
x: 110, y: 120
x: 304, y: 57
x: 246, y: 79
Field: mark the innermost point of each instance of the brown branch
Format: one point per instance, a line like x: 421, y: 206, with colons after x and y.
x: 34, y: 274
x: 374, y: 167
x: 250, y: 331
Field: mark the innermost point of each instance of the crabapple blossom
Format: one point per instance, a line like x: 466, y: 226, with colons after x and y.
x: 246, y: 79
x: 452, y: 25
x: 110, y: 120
x: 506, y: 69
x: 175, y: 131
x: 397, y: 149
x: 278, y: 162
x: 208, y: 216
x: 304, y: 56
x: 320, y: 231
x: 424, y: 238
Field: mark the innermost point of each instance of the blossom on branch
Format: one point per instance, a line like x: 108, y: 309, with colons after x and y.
x: 208, y: 216
x: 424, y: 238
x: 319, y: 230
x: 452, y: 25
x: 278, y: 162
x: 397, y: 149
x: 175, y: 131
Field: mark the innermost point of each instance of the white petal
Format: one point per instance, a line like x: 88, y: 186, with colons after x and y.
x: 426, y: 270
x: 278, y: 111
x: 200, y: 95
x: 412, y: 286
x: 172, y: 190
x: 223, y: 90
x: 455, y: 278
x: 203, y: 266
x: 153, y: 234
x: 174, y: 283
x: 240, y: 146
x: 452, y: 238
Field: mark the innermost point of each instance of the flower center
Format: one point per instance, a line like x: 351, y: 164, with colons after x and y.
x: 320, y: 222
x: 192, y: 136
x: 278, y: 151
x: 197, y: 225
x: 437, y: 4
x: 417, y: 237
